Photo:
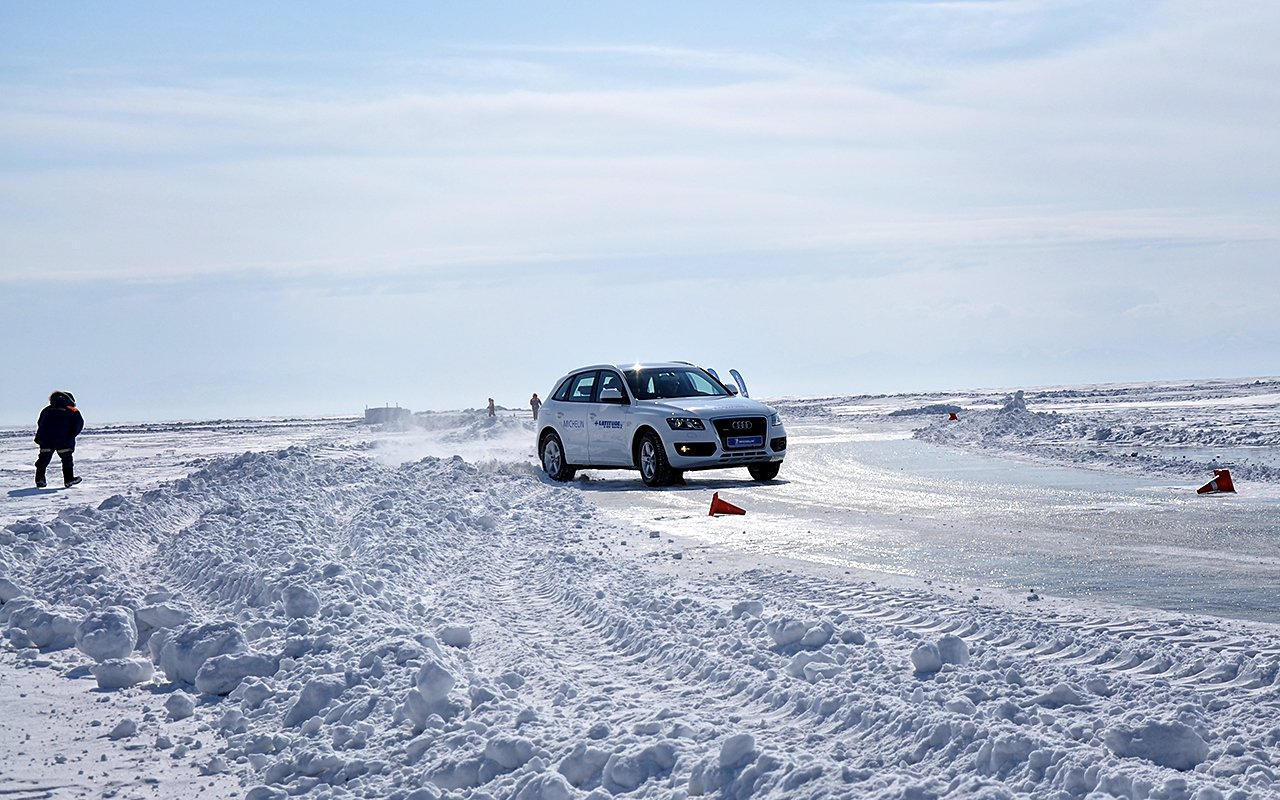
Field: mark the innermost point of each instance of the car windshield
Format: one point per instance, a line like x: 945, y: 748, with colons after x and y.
x: 662, y: 382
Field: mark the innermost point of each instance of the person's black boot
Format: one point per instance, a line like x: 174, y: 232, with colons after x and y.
x: 72, y: 482
x: 42, y: 461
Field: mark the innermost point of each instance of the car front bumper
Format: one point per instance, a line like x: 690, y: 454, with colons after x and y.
x: 692, y: 451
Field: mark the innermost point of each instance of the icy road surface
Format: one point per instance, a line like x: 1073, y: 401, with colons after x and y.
x: 863, y: 495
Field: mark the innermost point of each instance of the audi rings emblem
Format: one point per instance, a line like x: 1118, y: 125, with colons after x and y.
x: 742, y: 424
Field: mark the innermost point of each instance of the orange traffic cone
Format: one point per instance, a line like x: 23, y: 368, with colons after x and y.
x: 953, y: 417
x: 1221, y: 483
x: 719, y: 506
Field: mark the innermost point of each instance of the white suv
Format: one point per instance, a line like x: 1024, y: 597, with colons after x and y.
x: 661, y: 419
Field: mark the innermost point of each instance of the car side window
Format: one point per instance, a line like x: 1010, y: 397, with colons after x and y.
x: 702, y: 386
x: 562, y: 393
x: 610, y: 380
x: 582, y: 387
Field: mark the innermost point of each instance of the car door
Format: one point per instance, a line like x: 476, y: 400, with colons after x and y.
x: 573, y: 417
x: 610, y: 423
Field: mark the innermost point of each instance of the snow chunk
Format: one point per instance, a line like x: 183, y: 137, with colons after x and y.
x: 161, y: 615
x: 583, y: 764
x: 1059, y: 696
x: 625, y: 772
x: 30, y: 530
x: 180, y: 706
x: 454, y: 635
x: 737, y: 751
x: 818, y: 635
x: 183, y: 654
x: 509, y: 752
x: 315, y: 696
x: 126, y: 729
x: 852, y: 636
x: 434, y: 681
x: 801, y: 664
x: 748, y: 608
x: 47, y: 629
x: 961, y: 705
x: 1168, y: 744
x: 547, y: 786
x: 1003, y: 753
x: 953, y: 650
x: 9, y: 590
x: 300, y: 601
x: 121, y: 673
x: 786, y: 631
x: 221, y: 674
x: 926, y: 658
x: 107, y: 633
x: 1015, y: 402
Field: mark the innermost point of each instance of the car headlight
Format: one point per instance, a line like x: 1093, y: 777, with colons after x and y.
x: 775, y: 420
x: 685, y: 424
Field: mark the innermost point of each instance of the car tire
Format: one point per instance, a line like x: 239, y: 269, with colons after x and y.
x: 766, y: 471
x: 551, y: 453
x: 651, y: 458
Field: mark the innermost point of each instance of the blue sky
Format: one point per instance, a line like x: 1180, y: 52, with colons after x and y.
x: 234, y: 209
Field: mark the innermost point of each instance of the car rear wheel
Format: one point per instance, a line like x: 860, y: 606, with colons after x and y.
x: 765, y: 472
x: 551, y: 451
x: 651, y: 457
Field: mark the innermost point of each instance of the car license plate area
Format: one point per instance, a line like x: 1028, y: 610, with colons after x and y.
x: 740, y: 442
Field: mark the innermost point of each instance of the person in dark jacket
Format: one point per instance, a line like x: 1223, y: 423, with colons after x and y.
x: 60, y: 423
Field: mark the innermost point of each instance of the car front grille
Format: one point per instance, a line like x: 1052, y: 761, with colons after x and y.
x: 742, y: 433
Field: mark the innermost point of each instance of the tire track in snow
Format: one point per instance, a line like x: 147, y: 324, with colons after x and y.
x: 1192, y: 654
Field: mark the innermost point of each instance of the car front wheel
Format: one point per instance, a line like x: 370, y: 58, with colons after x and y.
x: 765, y: 472
x: 551, y: 452
x: 651, y: 456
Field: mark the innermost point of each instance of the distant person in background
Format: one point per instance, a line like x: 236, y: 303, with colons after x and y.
x: 491, y: 410
x: 535, y: 404
x: 60, y: 423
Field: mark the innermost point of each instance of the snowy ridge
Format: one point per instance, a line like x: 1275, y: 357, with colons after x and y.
x: 1178, y: 428
x: 1102, y: 442
x: 348, y: 628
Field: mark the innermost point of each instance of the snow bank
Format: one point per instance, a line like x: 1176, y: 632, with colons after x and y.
x: 1136, y: 429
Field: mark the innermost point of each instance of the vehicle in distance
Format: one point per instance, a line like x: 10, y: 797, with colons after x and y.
x: 660, y: 418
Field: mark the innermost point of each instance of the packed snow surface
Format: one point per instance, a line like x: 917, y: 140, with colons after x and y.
x: 273, y: 608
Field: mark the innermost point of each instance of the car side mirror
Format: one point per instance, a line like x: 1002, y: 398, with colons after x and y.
x: 612, y: 395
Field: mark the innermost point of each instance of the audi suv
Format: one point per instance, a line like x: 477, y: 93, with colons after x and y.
x: 660, y: 418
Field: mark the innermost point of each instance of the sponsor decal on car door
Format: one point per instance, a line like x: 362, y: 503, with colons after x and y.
x: 572, y: 417
x: 609, y: 424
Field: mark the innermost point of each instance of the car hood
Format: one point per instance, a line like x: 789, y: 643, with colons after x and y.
x: 710, y: 406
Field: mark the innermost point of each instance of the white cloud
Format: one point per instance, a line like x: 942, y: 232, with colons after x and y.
x: 1164, y: 135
